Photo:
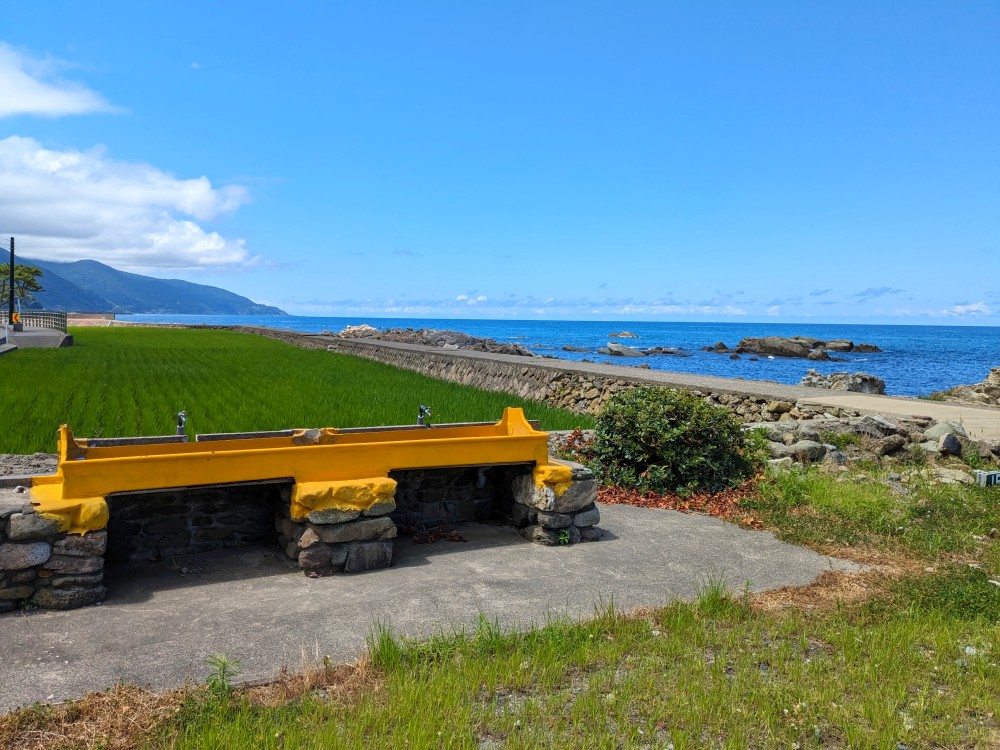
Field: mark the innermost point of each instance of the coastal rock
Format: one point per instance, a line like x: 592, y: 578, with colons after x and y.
x: 987, y: 392
x: 772, y: 346
x: 944, y: 427
x: 808, y: 451
x: 568, y: 348
x: 623, y: 335
x: 778, y: 450
x: 802, y: 347
x: 856, y: 382
x: 620, y: 350
x: 952, y: 476
x: 448, y: 340
x: 949, y: 445
x: 880, y: 425
x: 890, y: 444
x: 363, y: 331
x: 840, y: 345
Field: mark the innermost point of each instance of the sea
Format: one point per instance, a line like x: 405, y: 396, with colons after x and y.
x: 914, y: 361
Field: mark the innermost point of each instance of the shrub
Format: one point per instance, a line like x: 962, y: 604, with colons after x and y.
x: 667, y: 440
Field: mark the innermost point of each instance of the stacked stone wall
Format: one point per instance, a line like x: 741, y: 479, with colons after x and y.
x: 42, y: 567
x: 427, y: 498
x: 155, y: 526
x: 334, y: 541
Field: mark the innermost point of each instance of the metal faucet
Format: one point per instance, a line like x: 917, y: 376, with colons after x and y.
x: 424, y: 411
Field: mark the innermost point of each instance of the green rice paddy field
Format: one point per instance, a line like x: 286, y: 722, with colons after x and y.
x: 120, y: 382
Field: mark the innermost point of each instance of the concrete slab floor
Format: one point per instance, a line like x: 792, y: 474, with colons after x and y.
x: 160, y: 623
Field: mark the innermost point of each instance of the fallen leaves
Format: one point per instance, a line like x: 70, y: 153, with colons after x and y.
x: 437, y: 535
x: 726, y: 505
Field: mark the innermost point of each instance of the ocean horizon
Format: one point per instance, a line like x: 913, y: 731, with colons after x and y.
x: 915, y: 360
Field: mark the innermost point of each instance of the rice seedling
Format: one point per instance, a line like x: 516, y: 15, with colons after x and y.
x: 133, y: 381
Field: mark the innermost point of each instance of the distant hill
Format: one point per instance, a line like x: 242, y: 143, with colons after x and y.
x: 89, y: 286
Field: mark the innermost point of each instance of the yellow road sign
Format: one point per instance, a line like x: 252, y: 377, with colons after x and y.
x: 15, y: 318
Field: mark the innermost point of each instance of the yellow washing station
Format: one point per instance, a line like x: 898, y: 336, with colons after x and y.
x: 330, y: 468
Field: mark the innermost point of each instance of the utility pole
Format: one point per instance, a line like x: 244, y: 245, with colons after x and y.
x: 10, y: 299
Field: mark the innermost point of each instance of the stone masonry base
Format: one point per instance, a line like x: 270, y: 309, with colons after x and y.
x: 42, y: 567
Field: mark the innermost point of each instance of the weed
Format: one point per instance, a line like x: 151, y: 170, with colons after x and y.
x: 223, y: 671
x: 384, y: 650
x: 960, y: 591
x: 840, y: 440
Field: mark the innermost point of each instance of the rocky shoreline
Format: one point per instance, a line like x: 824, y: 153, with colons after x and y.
x: 986, y: 393
x: 802, y: 347
x: 446, y: 340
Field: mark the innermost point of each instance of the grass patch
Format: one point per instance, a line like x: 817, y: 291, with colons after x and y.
x: 120, y: 382
x: 924, y: 519
x: 960, y: 591
x: 715, y: 672
x: 840, y: 440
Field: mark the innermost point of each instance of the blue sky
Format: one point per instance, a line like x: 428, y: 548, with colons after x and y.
x: 821, y: 161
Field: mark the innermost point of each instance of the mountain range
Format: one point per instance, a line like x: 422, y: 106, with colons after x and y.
x: 90, y: 286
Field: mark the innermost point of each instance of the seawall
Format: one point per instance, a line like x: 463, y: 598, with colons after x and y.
x: 579, y: 386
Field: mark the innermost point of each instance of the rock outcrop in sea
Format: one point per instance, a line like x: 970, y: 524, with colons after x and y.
x: 802, y: 347
x: 620, y: 350
x: 435, y: 337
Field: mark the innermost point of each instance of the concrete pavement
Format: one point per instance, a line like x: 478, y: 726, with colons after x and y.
x: 33, y: 337
x: 157, y: 626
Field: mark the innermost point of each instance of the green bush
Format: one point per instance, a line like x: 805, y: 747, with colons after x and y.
x: 667, y: 440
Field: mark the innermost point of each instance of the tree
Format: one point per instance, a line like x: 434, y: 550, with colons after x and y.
x: 25, y: 282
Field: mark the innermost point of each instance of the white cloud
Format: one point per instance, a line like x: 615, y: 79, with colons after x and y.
x: 511, y: 306
x: 965, y: 310
x: 69, y: 205
x: 31, y: 86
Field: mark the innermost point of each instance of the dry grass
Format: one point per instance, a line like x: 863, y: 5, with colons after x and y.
x: 835, y: 587
x: 126, y: 716
x: 117, y: 719
x: 337, y: 682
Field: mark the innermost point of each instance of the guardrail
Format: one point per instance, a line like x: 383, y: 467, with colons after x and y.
x: 55, y: 321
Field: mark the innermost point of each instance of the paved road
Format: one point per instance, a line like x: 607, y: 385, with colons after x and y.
x: 158, y: 627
